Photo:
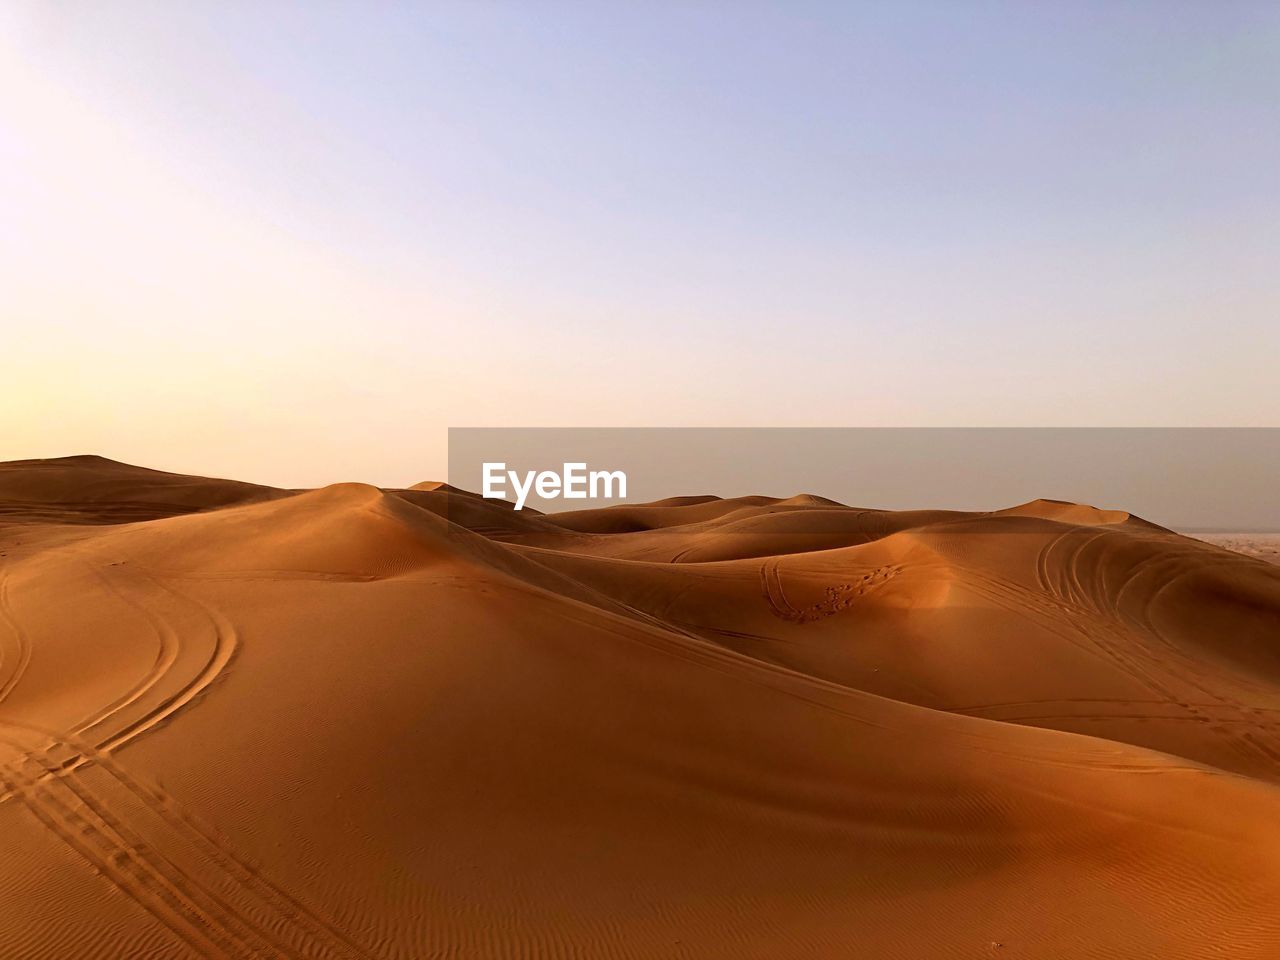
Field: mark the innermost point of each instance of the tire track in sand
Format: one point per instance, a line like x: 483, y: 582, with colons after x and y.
x: 1102, y: 602
x: 1063, y: 604
x: 168, y: 647
x: 179, y: 871
x: 20, y: 646
x: 122, y: 864
x: 1091, y: 633
x: 182, y: 873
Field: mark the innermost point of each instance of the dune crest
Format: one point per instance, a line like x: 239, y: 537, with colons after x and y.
x: 361, y: 723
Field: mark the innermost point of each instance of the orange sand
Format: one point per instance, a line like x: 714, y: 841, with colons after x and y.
x: 349, y: 722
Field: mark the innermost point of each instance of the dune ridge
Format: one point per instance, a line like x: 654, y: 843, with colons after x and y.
x: 350, y: 722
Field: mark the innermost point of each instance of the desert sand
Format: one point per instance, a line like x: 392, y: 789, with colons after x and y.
x: 1264, y: 546
x: 352, y: 722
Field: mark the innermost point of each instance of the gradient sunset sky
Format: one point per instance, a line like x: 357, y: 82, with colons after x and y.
x: 292, y: 243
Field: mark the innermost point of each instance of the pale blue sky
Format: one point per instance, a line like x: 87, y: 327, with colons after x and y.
x: 294, y: 242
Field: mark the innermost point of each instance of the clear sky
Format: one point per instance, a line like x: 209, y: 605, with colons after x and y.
x: 292, y: 243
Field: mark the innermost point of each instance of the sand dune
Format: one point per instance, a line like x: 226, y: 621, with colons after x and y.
x: 353, y: 722
x: 96, y: 490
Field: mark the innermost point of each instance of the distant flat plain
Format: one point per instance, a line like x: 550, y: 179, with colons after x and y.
x: 1264, y: 546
